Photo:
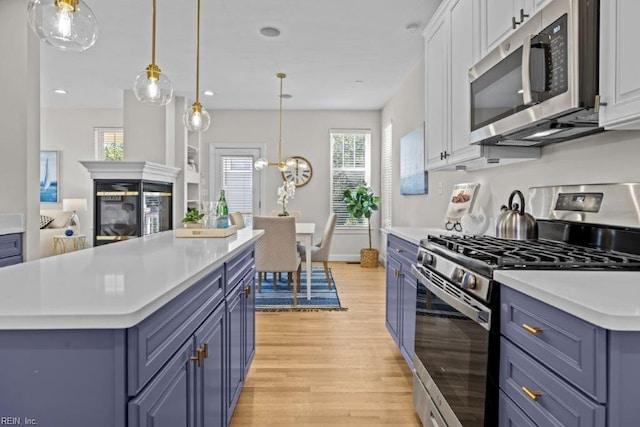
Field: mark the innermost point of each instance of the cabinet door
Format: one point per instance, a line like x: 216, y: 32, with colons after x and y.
x: 461, y: 22
x: 436, y: 93
x: 210, y: 404
x: 393, y: 301
x: 235, y: 342
x: 167, y: 401
x: 408, y: 307
x: 249, y: 320
x: 620, y: 64
x: 497, y: 22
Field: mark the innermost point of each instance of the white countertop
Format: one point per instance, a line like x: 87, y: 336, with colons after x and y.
x: 415, y: 234
x: 11, y: 223
x: 111, y: 286
x: 609, y: 299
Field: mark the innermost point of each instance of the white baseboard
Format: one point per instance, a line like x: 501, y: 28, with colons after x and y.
x: 344, y: 258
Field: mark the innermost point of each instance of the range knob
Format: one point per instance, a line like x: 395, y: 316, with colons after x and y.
x: 458, y: 275
x: 429, y: 259
x: 469, y: 281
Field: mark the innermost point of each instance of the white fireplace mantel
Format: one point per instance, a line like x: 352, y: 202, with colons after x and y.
x: 131, y: 170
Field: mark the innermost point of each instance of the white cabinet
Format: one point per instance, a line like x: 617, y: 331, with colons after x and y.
x: 620, y: 64
x: 188, y: 157
x: 500, y: 18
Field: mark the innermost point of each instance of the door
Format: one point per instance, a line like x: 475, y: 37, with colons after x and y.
x: 167, y: 401
x: 249, y: 319
x: 620, y: 64
x: 231, y: 169
x: 235, y: 342
x: 210, y: 404
x: 392, y: 314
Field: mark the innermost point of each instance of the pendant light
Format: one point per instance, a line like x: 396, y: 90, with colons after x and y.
x: 151, y: 85
x: 65, y: 24
x: 196, y: 118
x: 262, y: 162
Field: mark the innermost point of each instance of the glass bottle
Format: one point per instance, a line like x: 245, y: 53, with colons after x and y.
x: 222, y: 213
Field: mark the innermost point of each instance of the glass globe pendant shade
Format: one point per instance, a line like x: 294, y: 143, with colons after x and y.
x: 290, y: 163
x: 282, y: 166
x: 65, y: 24
x: 153, y: 87
x: 196, y: 118
x: 261, y: 163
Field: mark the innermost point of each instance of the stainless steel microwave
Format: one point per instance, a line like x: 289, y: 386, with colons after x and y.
x: 540, y: 85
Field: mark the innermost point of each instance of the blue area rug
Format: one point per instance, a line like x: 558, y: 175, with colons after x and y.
x: 281, y: 298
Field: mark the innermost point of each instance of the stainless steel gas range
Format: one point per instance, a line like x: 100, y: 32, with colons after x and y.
x: 456, y: 355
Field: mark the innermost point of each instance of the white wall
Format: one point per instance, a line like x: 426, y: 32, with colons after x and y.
x: 305, y: 133
x: 19, y: 120
x: 607, y: 157
x: 70, y: 131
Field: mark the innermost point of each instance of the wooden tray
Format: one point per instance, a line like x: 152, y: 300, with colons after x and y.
x: 206, y: 232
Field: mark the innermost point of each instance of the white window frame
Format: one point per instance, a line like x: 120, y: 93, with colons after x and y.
x: 367, y: 172
x: 387, y: 176
x: 98, y: 139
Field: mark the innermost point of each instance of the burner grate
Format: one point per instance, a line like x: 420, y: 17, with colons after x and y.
x: 548, y: 254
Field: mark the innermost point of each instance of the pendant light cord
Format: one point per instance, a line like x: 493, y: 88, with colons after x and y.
x: 198, y: 57
x: 280, y: 134
x: 153, y: 33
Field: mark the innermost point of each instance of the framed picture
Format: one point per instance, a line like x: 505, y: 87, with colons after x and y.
x: 413, y: 178
x: 49, y: 173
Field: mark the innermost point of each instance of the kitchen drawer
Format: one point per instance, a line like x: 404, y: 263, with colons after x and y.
x: 511, y: 415
x: 236, y: 268
x: 573, y: 348
x: 152, y: 342
x: 10, y: 245
x: 403, y: 251
x: 10, y: 261
x: 556, y: 403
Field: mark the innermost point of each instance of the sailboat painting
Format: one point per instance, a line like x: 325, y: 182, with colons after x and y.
x: 48, y: 177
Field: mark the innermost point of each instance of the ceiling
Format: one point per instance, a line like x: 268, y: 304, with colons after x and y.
x: 325, y: 47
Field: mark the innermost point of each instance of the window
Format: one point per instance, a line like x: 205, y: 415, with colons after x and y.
x: 109, y: 143
x: 350, y: 167
x: 387, y: 169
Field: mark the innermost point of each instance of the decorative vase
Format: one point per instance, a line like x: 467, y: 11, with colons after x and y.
x: 285, y: 213
x: 369, y: 258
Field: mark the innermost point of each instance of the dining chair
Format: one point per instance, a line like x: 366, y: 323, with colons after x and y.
x: 320, y: 251
x: 276, y: 250
x: 237, y: 219
x: 296, y: 214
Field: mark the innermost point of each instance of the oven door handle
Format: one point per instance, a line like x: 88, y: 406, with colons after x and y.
x: 481, y: 317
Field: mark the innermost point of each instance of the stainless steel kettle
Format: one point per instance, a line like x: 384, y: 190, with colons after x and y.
x: 514, y: 223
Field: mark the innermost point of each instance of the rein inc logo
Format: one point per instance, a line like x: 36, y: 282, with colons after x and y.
x: 18, y: 421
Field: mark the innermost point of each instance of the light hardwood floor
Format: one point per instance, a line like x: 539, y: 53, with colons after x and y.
x: 329, y: 368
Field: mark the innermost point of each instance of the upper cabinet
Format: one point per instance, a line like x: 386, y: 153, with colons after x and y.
x: 451, y: 49
x: 619, y: 64
x: 500, y: 18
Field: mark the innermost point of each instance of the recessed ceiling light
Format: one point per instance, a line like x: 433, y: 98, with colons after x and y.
x: 208, y: 93
x: 286, y: 96
x: 60, y: 91
x: 412, y: 28
x: 359, y: 81
x: 269, y: 31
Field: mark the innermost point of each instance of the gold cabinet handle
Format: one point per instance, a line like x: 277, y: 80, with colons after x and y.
x: 533, y: 395
x: 247, y: 291
x: 532, y: 329
x: 199, y: 357
x: 398, y: 250
x: 205, y: 349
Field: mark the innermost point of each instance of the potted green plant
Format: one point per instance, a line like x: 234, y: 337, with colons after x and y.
x: 361, y: 202
x: 192, y: 218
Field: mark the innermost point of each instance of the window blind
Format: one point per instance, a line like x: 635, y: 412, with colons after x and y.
x: 350, y: 167
x: 109, y: 143
x: 387, y: 169
x: 236, y: 178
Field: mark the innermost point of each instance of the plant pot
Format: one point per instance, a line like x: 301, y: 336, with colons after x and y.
x: 369, y: 258
x: 193, y: 225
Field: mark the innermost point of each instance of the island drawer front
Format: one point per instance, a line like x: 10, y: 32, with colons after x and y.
x: 558, y: 404
x: 511, y: 415
x: 238, y: 267
x: 573, y: 348
x: 403, y: 251
x: 152, y: 342
x: 10, y: 261
x: 10, y: 245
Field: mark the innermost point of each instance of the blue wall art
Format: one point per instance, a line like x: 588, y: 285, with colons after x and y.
x: 413, y: 177
x: 49, y: 190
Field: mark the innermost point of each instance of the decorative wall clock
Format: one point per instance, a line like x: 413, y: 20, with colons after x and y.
x: 300, y: 173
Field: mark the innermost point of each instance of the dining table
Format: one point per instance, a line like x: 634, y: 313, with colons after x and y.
x: 304, y: 234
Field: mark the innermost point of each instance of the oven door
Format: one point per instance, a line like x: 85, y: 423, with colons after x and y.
x: 453, y: 347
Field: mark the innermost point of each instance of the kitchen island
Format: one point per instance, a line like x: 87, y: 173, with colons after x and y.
x: 152, y: 331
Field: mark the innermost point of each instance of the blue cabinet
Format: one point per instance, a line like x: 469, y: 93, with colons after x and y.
x: 10, y: 249
x: 249, y: 320
x: 235, y: 368
x: 401, y: 294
